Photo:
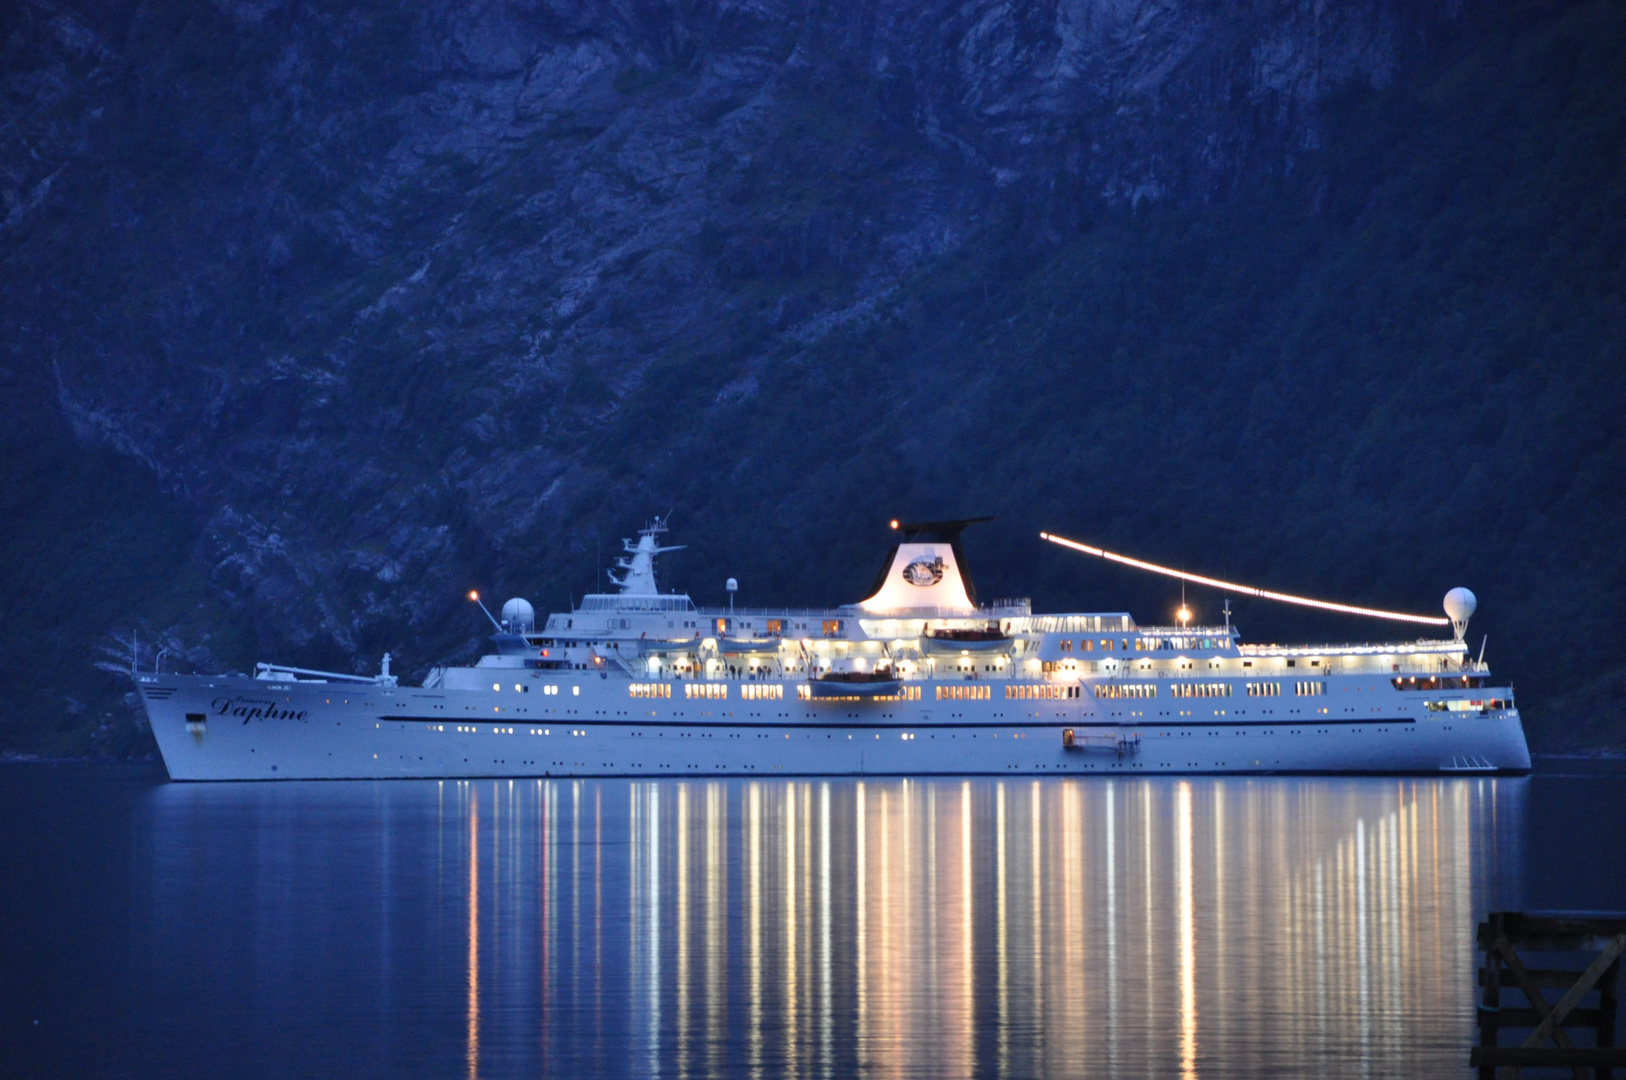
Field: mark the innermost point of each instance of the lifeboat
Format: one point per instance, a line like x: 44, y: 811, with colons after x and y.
x: 882, y: 682
x: 953, y: 641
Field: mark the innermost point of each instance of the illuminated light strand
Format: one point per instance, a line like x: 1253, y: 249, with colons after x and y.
x: 1248, y: 590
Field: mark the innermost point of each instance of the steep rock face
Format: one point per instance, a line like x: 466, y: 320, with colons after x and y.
x: 393, y: 302
x: 300, y: 256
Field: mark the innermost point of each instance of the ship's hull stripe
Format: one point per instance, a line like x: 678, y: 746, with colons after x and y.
x: 864, y: 725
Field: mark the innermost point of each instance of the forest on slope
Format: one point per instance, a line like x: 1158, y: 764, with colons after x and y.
x: 1375, y: 353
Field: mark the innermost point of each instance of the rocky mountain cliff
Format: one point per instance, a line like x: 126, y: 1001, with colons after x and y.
x: 317, y: 314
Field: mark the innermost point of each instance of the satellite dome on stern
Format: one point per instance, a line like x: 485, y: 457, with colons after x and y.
x: 1460, y: 605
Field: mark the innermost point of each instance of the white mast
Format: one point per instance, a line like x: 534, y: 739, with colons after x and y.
x: 638, y: 572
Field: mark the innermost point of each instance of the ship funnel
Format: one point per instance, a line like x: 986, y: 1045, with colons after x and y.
x: 925, y: 570
x: 1460, y: 605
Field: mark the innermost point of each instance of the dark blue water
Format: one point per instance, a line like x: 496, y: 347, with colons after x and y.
x: 1205, y: 927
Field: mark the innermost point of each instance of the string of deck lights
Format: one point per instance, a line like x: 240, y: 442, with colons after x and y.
x: 1246, y: 590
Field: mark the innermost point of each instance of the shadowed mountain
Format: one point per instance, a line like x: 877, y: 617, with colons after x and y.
x: 315, y: 316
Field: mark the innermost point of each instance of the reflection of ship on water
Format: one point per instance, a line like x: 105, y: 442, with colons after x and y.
x: 918, y: 678
x: 890, y: 927
x: 1021, y: 929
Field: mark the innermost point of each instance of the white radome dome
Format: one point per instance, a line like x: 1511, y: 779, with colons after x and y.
x: 518, y: 615
x: 1460, y: 604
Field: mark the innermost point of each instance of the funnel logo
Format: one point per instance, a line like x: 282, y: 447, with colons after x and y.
x: 924, y: 572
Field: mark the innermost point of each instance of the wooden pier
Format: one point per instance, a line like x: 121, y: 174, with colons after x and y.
x: 1528, y: 957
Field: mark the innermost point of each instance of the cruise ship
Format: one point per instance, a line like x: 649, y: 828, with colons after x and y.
x: 918, y: 678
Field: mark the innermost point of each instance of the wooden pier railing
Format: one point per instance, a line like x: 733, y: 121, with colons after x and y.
x: 1528, y: 957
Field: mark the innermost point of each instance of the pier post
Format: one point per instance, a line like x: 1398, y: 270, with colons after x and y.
x: 1576, y: 953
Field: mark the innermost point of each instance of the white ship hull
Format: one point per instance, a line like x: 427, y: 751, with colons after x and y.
x: 252, y: 729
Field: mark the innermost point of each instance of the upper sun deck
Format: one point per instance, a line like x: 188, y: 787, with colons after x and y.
x: 924, y: 597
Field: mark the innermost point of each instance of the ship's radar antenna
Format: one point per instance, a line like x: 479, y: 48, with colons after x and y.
x: 733, y: 587
x: 1460, y: 605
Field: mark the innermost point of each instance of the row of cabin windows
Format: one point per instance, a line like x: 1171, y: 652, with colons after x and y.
x: 1184, y: 690
x: 1181, y: 643
x: 964, y: 693
x: 1127, y: 690
x: 1041, y: 693
x: 1439, y: 682
x: 771, y: 627
x: 776, y: 691
x: 1190, y: 690
x: 1067, y: 645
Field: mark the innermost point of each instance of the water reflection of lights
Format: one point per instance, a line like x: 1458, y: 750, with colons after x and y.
x: 1196, y: 927
x: 472, y: 1021
x: 1187, y: 931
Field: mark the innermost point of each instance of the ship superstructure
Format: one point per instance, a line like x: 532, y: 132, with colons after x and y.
x: 920, y: 677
